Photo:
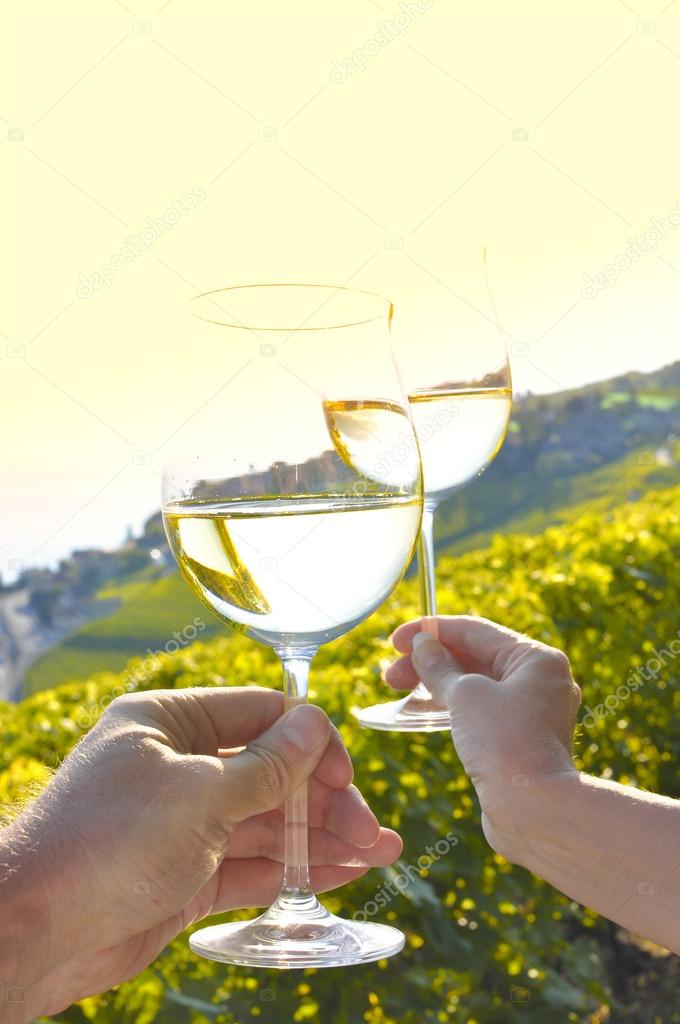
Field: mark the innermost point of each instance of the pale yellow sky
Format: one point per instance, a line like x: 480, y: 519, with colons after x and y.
x: 175, y: 147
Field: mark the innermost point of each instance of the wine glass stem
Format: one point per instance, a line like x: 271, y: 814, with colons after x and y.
x: 428, y: 581
x: 296, y: 890
x: 426, y: 564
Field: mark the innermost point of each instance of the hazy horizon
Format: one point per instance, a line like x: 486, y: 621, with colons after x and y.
x: 111, y: 533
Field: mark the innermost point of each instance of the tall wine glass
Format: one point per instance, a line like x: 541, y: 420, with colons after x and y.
x: 460, y: 396
x: 282, y: 521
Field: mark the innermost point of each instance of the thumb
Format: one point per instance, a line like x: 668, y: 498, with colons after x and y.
x: 437, y: 668
x: 272, y: 767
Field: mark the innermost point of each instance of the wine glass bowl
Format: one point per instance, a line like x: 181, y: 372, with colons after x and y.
x: 288, y: 520
x: 460, y: 398
x: 461, y: 426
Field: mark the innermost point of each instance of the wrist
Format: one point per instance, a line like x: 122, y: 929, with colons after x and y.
x: 27, y: 898
x: 521, y: 819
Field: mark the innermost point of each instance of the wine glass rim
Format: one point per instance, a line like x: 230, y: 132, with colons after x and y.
x: 388, y: 306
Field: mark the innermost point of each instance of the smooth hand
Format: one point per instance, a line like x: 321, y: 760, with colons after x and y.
x: 170, y: 809
x: 513, y: 707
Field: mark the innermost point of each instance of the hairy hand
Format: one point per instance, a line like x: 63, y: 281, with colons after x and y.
x: 170, y: 809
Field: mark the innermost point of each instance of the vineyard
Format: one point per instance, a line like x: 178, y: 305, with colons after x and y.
x: 589, y: 449
x: 486, y: 942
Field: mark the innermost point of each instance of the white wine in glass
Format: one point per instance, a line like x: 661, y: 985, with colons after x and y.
x: 288, y: 538
x: 460, y: 397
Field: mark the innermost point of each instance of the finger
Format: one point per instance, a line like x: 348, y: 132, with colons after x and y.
x: 272, y: 766
x: 220, y: 721
x: 348, y: 815
x: 344, y: 813
x: 263, y: 837
x: 401, y: 675
x: 436, y: 666
x: 334, y: 770
x: 257, y: 883
x: 201, y: 720
x: 478, y: 644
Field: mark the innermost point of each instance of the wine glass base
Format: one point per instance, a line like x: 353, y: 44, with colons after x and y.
x: 406, y: 715
x: 285, y: 939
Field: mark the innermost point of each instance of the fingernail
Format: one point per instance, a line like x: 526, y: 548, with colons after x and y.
x: 428, y: 652
x: 303, y: 726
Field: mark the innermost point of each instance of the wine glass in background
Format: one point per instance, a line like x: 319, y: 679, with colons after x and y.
x: 282, y: 521
x: 460, y: 397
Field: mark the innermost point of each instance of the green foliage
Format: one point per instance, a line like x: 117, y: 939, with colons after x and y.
x: 485, y: 941
x: 148, y: 610
x: 527, y: 500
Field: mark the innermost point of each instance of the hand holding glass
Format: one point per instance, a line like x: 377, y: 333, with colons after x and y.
x: 283, y: 523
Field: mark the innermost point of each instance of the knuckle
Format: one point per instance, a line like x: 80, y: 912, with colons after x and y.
x: 216, y: 831
x: 555, y: 660
x: 560, y: 659
x: 122, y: 703
x: 274, y: 771
x: 126, y: 705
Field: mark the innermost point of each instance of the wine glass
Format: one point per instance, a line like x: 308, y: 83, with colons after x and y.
x: 284, y: 522
x: 460, y: 397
